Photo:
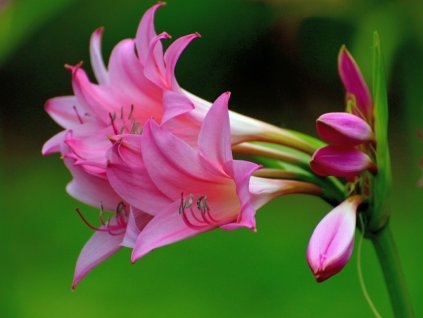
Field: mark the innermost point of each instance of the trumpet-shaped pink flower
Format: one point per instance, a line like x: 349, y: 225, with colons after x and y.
x: 190, y: 189
x: 138, y: 84
x: 332, y: 242
x: 343, y: 129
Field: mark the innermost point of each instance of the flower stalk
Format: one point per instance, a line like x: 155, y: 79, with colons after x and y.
x: 251, y: 149
x: 389, y: 260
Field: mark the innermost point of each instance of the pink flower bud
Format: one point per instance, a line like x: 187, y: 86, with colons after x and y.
x: 354, y: 83
x: 331, y: 244
x: 343, y: 129
x: 342, y: 162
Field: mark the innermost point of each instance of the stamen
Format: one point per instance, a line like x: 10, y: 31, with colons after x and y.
x: 199, y: 201
x: 210, y: 217
x: 205, y: 219
x: 113, y: 229
x: 202, y: 219
x: 112, y: 122
x: 86, y: 221
x: 78, y: 115
x: 131, y: 111
x: 189, y: 224
x: 134, y: 127
x: 121, y: 113
x: 101, y: 215
x: 195, y: 216
x: 190, y: 200
x: 120, y: 208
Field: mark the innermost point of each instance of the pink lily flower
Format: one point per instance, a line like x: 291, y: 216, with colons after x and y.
x: 131, y: 89
x: 202, y: 188
x: 138, y: 84
x: 332, y: 241
x: 189, y: 190
x: 355, y: 84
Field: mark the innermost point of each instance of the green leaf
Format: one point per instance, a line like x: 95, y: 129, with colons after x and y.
x: 382, y: 181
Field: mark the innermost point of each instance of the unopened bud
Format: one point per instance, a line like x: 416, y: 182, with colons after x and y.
x: 343, y: 129
x: 332, y: 241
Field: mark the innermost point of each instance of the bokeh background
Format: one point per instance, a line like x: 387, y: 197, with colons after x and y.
x: 278, y: 58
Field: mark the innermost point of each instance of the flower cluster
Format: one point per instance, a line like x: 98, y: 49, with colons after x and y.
x: 349, y: 134
x: 349, y: 155
x: 161, y: 158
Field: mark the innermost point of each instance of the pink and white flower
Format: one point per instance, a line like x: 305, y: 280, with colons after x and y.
x: 190, y: 189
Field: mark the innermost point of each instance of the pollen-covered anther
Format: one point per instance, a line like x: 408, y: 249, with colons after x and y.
x: 114, y: 226
x: 196, y: 219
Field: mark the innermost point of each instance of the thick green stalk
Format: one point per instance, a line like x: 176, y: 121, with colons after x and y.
x: 389, y: 260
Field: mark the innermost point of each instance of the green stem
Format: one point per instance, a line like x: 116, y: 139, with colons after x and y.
x: 389, y: 260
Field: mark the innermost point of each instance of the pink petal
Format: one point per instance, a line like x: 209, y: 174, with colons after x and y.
x: 331, y: 244
x: 137, y: 220
x: 242, y: 171
x: 100, y: 101
x: 131, y: 86
x: 99, y: 247
x: 243, y: 128
x: 340, y: 162
x: 146, y: 32
x: 164, y: 229
x: 214, y: 140
x: 89, y: 149
x: 173, y: 165
x: 343, y: 129
x: 154, y: 68
x: 354, y: 82
x: 97, y: 63
x: 90, y: 189
x: 53, y: 145
x: 66, y: 112
x: 129, y: 178
x: 175, y: 104
x: 172, y: 55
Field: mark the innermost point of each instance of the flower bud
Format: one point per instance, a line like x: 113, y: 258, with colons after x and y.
x: 342, y: 162
x: 332, y: 241
x: 354, y: 83
x: 343, y: 129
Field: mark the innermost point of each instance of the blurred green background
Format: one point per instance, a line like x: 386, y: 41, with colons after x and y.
x: 278, y: 57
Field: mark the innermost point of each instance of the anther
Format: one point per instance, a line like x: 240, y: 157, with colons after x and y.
x: 131, y: 111
x: 202, y: 219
